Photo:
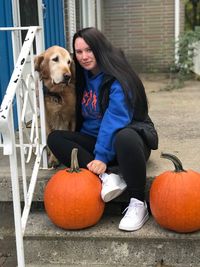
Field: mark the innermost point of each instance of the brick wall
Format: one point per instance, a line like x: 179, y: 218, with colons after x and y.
x: 144, y: 29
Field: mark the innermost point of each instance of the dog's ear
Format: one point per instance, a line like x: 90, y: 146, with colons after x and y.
x: 37, y: 62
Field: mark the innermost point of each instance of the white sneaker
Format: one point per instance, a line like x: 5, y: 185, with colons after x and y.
x: 112, y: 186
x: 135, y: 217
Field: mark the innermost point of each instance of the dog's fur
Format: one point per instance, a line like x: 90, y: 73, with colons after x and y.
x: 56, y: 70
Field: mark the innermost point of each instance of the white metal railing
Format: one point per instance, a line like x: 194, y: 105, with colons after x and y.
x: 25, y: 89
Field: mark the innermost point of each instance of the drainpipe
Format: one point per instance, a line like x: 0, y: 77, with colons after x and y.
x: 177, y: 27
x: 99, y: 14
x: 89, y: 13
x: 84, y: 16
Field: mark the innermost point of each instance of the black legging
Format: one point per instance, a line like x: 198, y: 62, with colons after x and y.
x: 131, y: 155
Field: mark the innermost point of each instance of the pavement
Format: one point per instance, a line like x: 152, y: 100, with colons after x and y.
x: 176, y: 115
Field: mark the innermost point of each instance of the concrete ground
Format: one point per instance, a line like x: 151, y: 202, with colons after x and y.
x: 176, y: 115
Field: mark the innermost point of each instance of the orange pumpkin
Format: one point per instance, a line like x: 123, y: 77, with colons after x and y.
x: 175, y: 198
x: 72, y: 197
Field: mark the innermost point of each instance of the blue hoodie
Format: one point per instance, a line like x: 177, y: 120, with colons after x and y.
x: 104, y: 128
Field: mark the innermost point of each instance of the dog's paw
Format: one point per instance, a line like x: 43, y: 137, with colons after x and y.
x: 53, y: 163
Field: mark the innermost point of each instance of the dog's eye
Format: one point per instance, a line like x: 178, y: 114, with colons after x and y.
x: 68, y: 62
x: 55, y: 59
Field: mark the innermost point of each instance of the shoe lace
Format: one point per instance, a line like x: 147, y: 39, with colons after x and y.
x: 132, y: 209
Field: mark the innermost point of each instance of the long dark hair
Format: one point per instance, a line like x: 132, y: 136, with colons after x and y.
x: 113, y: 62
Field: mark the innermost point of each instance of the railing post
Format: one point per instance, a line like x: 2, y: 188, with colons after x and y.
x: 25, y: 91
x: 16, y: 198
x: 40, y: 48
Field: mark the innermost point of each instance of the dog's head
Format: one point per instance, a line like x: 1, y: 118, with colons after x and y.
x: 55, y: 66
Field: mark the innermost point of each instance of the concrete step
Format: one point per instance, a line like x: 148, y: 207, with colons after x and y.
x: 7, y: 236
x: 101, y: 245
x: 63, y: 265
x: 43, y: 177
x: 155, y: 166
x: 105, y: 245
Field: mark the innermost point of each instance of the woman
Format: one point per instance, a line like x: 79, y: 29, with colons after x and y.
x: 113, y: 127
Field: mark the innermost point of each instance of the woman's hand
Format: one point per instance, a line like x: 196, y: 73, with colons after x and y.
x: 97, y: 166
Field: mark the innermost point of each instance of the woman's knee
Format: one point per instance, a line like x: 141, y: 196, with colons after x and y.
x: 127, y: 137
x: 52, y: 137
x: 128, y: 140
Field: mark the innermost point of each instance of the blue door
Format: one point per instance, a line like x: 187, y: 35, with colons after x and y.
x: 6, y: 56
x: 54, y: 23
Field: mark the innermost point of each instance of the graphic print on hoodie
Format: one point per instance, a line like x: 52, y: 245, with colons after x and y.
x: 90, y: 101
x: 90, y: 106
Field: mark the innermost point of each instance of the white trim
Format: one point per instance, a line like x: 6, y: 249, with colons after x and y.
x: 83, y: 12
x: 16, y: 35
x: 88, y: 8
x: 99, y: 14
x: 16, y: 13
x: 16, y: 28
x: 41, y: 9
x: 177, y: 26
x: 91, y: 14
x: 196, y: 59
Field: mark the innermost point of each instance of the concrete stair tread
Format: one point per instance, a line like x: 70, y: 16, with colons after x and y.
x: 39, y: 225
x: 104, y: 245
x: 155, y: 166
x: 75, y: 265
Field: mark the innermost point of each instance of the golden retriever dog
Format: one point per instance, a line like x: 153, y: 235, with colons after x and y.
x: 55, y: 68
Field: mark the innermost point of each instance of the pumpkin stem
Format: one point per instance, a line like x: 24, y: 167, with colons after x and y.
x: 177, y: 163
x: 74, y: 161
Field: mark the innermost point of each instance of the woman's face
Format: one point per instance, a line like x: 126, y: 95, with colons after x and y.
x: 85, y: 56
